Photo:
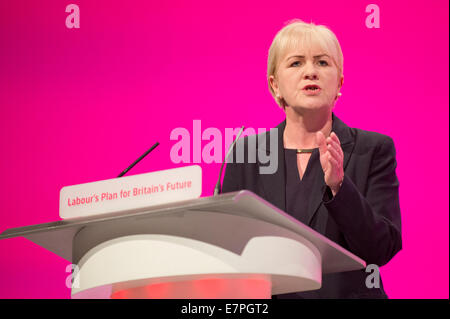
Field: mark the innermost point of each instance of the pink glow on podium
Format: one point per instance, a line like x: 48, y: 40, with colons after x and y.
x: 212, y: 288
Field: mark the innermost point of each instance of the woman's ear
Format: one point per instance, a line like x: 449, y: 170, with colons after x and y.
x: 274, y: 84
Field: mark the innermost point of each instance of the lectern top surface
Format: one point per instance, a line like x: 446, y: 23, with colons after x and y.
x: 58, y: 236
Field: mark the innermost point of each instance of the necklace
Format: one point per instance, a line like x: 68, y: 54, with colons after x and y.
x: 305, y: 150
x: 302, y: 150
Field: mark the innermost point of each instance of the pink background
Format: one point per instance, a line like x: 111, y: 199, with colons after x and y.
x: 80, y: 105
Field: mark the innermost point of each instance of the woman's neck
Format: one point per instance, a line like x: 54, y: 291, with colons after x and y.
x: 301, y: 129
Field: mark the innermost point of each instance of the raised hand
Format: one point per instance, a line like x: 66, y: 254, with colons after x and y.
x: 332, y: 160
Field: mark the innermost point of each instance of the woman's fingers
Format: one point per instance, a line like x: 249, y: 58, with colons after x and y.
x: 335, y: 138
x: 334, y: 162
x: 336, y: 146
x: 321, y: 142
x: 335, y: 153
x: 331, y: 157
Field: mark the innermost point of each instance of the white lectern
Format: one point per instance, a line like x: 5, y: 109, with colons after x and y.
x: 234, y: 245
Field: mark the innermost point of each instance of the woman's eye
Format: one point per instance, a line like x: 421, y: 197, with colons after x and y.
x: 323, y: 62
x: 296, y: 63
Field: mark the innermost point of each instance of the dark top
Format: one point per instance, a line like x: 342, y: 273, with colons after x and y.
x: 298, y: 191
x: 363, y: 217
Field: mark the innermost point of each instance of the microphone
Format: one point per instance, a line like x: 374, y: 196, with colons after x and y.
x: 138, y: 160
x: 218, y: 188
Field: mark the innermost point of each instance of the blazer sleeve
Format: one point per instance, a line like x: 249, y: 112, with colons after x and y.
x: 231, y: 180
x: 234, y: 172
x: 371, y: 224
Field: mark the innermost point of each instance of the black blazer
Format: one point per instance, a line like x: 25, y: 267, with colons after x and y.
x: 363, y: 217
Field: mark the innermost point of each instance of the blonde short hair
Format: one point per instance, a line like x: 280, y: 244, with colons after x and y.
x: 300, y: 34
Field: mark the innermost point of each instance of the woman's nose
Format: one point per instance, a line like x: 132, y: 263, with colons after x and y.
x: 311, y: 76
x: 310, y: 72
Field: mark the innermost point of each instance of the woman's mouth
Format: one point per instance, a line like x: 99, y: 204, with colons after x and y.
x: 312, y: 90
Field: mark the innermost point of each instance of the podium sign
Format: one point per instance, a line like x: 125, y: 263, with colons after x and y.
x: 130, y: 192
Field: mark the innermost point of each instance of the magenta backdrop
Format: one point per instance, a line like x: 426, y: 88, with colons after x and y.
x: 79, y: 105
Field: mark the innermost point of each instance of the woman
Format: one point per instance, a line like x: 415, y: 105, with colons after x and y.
x: 338, y: 180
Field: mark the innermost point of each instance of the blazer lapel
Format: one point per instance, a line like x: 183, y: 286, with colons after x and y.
x: 274, y: 185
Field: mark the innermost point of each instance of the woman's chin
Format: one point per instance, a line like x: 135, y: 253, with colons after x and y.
x: 311, y: 107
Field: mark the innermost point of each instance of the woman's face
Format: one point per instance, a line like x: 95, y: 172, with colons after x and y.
x: 300, y: 68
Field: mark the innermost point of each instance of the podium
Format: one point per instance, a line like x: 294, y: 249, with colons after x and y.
x: 234, y: 245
